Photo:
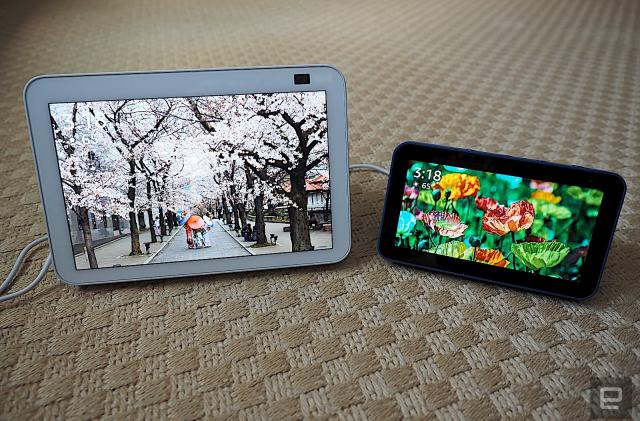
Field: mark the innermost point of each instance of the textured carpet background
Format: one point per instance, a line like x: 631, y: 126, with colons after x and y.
x: 542, y: 79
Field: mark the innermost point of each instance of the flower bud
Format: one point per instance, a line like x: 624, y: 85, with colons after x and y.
x: 475, y: 241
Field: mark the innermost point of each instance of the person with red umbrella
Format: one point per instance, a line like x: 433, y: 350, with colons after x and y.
x: 193, y: 223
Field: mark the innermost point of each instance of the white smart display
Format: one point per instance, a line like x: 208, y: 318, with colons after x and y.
x: 152, y: 175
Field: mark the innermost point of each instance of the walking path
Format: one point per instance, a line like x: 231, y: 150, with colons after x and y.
x: 222, y: 244
x: 222, y: 240
x: 116, y: 252
x: 319, y: 239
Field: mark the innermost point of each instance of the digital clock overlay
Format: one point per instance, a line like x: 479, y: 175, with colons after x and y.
x: 501, y: 220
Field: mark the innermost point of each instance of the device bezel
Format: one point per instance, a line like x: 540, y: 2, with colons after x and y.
x: 613, y: 186
x: 39, y: 92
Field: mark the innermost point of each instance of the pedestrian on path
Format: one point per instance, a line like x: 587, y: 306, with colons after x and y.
x: 208, y: 220
x: 157, y: 230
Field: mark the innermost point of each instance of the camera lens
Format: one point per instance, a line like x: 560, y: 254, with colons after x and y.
x: 302, y: 79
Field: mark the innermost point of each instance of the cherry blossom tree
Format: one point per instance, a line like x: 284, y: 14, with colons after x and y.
x: 164, y: 158
x: 293, y: 139
x: 133, y: 126
x: 86, y: 189
x: 273, y: 134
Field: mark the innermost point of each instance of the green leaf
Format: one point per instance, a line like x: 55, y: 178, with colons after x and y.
x: 421, y: 227
x: 540, y: 255
x: 540, y: 230
x: 575, y: 192
x: 592, y: 212
x: 560, y: 212
x: 451, y: 249
x: 426, y: 197
x: 593, y: 197
x: 546, y: 209
x: 590, y: 196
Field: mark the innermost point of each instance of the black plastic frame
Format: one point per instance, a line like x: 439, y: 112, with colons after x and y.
x: 612, y: 184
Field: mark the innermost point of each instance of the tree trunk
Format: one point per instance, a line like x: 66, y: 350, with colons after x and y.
x: 258, y: 207
x: 234, y: 205
x: 260, y: 226
x: 134, y: 234
x: 133, y: 217
x: 236, y: 221
x: 152, y: 228
x: 298, y: 217
x: 242, y: 214
x: 225, y: 210
x: 169, y: 220
x: 163, y: 228
x: 83, y: 214
x: 150, y: 214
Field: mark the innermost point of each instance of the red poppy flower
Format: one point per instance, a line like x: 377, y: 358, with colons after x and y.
x: 486, y: 203
x: 445, y: 223
x: 514, y: 218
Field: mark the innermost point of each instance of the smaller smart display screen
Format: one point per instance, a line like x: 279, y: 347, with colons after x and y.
x: 502, y: 220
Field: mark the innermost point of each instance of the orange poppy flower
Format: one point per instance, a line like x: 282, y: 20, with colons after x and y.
x: 460, y: 185
x: 514, y: 218
x: 491, y: 257
x: 546, y: 196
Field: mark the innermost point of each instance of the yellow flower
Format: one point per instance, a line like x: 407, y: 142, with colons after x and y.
x: 546, y: 196
x: 460, y: 185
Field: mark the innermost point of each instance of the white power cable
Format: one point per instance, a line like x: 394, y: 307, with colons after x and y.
x: 16, y: 268
x: 369, y: 167
x: 45, y: 267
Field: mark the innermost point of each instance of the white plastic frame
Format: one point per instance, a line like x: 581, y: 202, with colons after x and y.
x: 43, y: 90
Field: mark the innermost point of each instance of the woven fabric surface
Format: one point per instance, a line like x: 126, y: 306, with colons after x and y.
x: 554, y: 80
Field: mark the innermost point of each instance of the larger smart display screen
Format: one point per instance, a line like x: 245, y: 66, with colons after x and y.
x: 501, y: 220
x: 178, y: 179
